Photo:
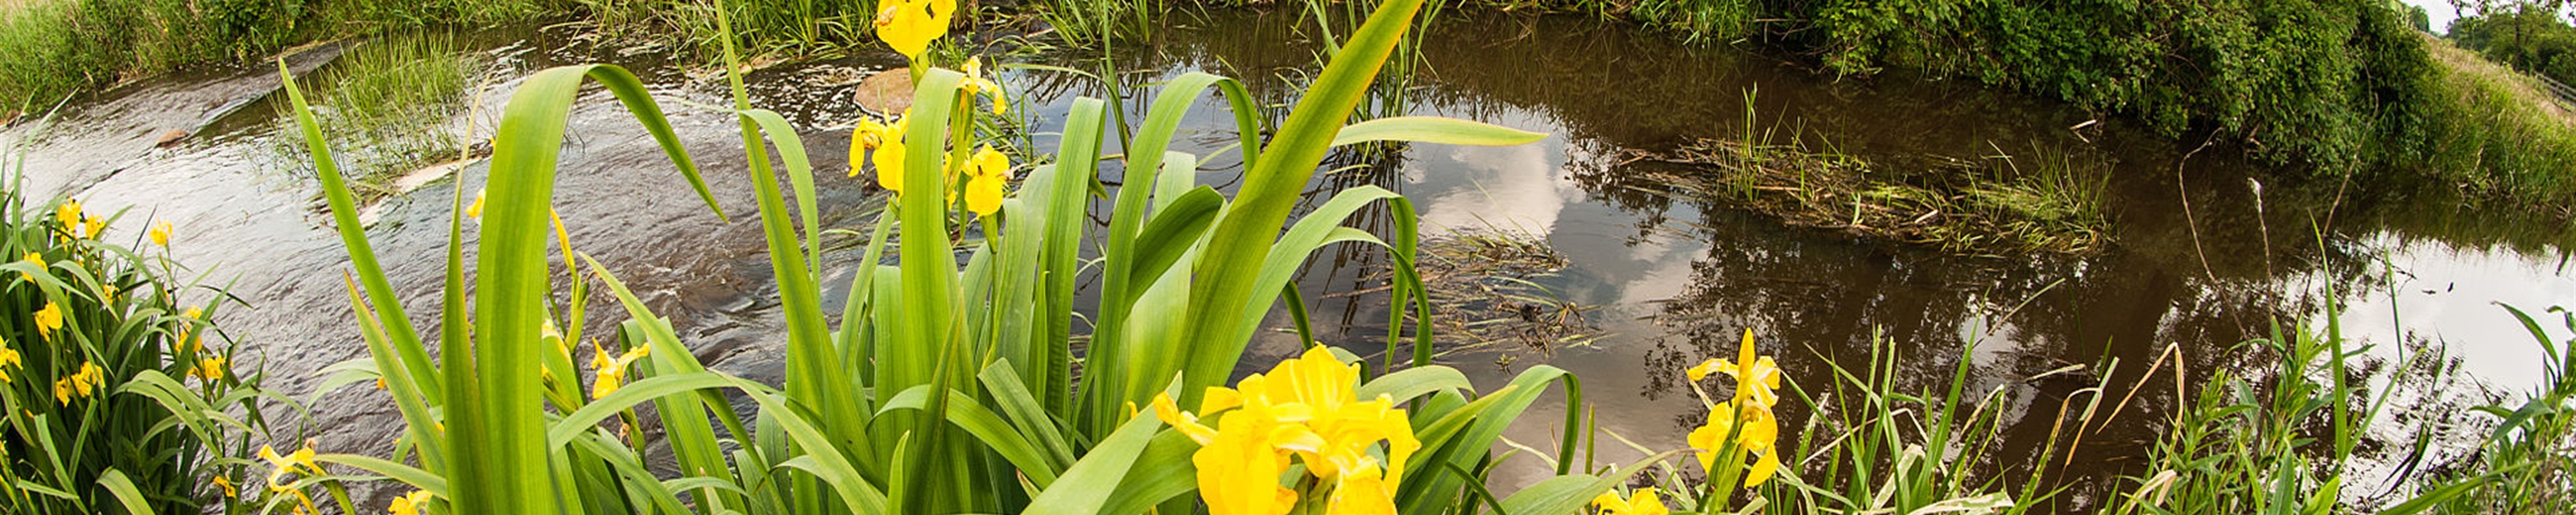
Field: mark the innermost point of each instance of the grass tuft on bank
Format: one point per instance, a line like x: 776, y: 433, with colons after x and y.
x: 2496, y: 131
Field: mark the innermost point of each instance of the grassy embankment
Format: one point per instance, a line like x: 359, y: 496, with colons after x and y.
x: 52, y: 49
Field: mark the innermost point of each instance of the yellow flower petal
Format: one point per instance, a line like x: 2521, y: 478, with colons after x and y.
x: 984, y: 195
x: 1239, y: 470
x: 1186, y: 423
x: 1762, y: 470
x: 1700, y: 371
x: 69, y: 215
x: 868, y: 136
x: 49, y: 319
x: 910, y: 25
x: 161, y: 234
x: 889, y: 160
x: 1361, y: 492
x: 33, y: 259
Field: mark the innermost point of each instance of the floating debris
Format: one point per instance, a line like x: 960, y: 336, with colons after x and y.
x: 1485, y: 291
x: 1987, y: 206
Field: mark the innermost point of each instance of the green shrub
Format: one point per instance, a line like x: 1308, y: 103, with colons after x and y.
x: 118, y: 397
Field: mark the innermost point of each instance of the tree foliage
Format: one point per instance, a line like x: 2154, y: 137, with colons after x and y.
x: 2296, y: 81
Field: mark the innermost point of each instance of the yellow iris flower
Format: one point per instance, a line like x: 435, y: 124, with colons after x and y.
x: 414, y: 503
x: 910, y: 25
x: 977, y: 83
x: 69, y: 215
x: 32, y: 259
x: 884, y: 145
x: 95, y: 228
x: 79, y: 384
x: 211, y: 368
x: 1302, y: 408
x: 1643, y: 502
x: 8, y: 358
x: 301, y: 459
x: 1759, y: 382
x: 612, y: 371
x: 1755, y: 432
x: 49, y: 320
x: 227, y: 486
x: 987, y: 175
x: 1744, y: 423
x: 161, y: 234
x: 868, y: 136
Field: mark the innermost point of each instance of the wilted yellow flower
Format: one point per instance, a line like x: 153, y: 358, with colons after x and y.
x: 1303, y: 408
x: 414, y: 503
x: 49, y: 319
x: 107, y: 294
x: 227, y: 486
x: 910, y: 25
x: 987, y: 175
x: 1642, y: 502
x: 612, y: 372
x: 161, y: 234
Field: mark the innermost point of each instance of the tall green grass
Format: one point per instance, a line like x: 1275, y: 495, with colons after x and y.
x: 51, y: 49
x: 2495, y: 132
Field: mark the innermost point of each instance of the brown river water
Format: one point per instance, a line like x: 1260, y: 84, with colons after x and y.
x: 1664, y: 281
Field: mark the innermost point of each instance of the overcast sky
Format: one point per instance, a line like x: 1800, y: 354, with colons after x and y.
x: 2439, y: 10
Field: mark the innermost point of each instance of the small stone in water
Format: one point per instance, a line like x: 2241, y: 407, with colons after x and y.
x: 888, y: 92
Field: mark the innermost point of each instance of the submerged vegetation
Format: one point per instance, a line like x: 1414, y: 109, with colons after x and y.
x: 1485, y: 291
x: 2050, y: 202
x: 397, y: 98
